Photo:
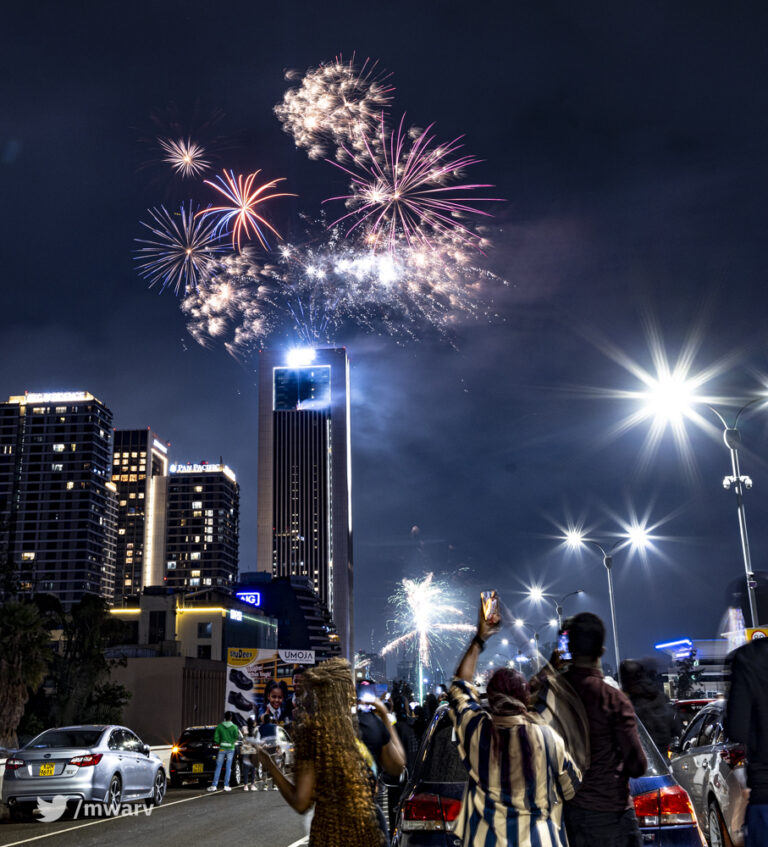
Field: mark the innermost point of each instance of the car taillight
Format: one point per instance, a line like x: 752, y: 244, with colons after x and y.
x: 86, y: 761
x: 13, y: 764
x: 734, y: 756
x: 430, y: 812
x: 669, y: 806
x: 675, y: 806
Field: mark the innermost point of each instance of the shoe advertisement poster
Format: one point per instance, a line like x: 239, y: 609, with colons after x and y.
x: 251, y: 673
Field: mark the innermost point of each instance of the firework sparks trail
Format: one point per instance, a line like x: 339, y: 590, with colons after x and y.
x: 244, y: 200
x: 186, y: 157
x: 182, y: 251
x: 336, y: 103
x: 405, y: 191
x: 421, y: 608
x: 235, y: 306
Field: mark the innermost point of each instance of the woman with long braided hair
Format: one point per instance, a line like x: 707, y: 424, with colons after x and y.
x: 330, y: 769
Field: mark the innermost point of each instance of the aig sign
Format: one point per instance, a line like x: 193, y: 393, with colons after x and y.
x: 252, y: 598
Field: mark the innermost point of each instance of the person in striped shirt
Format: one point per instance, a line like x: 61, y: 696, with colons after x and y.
x: 519, y: 770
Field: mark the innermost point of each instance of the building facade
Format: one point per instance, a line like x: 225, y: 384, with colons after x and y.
x: 304, y: 477
x: 203, y: 526
x: 57, y: 502
x: 140, y: 475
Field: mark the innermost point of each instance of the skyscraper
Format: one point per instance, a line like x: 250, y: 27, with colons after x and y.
x: 305, y: 489
x: 203, y: 526
x: 140, y: 474
x: 57, y: 504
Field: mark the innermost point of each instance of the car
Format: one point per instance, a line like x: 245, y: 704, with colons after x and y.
x: 713, y: 771
x: 431, y: 801
x: 275, y: 740
x: 688, y: 709
x: 86, y: 764
x: 193, y: 757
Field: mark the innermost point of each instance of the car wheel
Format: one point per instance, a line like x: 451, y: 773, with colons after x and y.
x: 114, y: 793
x: 158, y: 789
x: 237, y: 772
x: 716, y: 831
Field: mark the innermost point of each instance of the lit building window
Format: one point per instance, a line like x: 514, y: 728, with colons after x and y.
x: 58, y: 448
x: 171, y: 566
x: 199, y: 489
x: 197, y: 504
x: 194, y: 573
x: 121, y: 531
x: 57, y: 468
x: 195, y: 581
x: 27, y: 557
x: 70, y: 485
x: 195, y: 556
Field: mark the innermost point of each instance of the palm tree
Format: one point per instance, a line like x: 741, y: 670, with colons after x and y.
x: 25, y: 653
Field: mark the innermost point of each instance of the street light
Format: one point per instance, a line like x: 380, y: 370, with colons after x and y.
x: 668, y: 406
x: 559, y: 605
x: 536, y: 594
x: 637, y: 536
x: 520, y: 624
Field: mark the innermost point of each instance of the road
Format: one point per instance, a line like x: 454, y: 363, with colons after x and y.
x: 186, y: 817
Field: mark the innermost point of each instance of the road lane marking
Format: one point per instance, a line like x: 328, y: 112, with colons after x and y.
x: 155, y: 809
x: 298, y: 843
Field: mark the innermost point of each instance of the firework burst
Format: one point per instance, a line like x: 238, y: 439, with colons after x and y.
x: 244, y: 199
x: 235, y: 307
x: 423, y: 611
x: 406, y: 191
x: 186, y: 157
x: 182, y: 251
x: 336, y: 104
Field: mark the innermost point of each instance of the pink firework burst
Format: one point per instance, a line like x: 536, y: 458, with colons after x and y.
x: 404, y: 189
x: 241, y: 213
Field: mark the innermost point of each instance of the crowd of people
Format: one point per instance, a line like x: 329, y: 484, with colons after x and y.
x: 548, y: 759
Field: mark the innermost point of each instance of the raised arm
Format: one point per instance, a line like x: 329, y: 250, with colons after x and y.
x: 298, y: 795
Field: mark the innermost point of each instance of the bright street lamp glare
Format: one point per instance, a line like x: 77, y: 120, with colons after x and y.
x: 574, y: 538
x: 519, y: 622
x: 505, y: 641
x: 670, y: 397
x: 553, y: 621
x: 536, y: 594
x: 638, y: 536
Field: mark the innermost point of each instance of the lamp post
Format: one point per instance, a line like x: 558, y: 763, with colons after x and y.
x: 520, y: 623
x: 559, y: 605
x: 740, y: 483
x: 637, y: 536
x: 670, y: 401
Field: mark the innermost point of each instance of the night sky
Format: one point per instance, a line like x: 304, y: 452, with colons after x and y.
x: 629, y: 140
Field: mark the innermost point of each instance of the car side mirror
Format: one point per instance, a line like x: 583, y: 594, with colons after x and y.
x: 145, y: 749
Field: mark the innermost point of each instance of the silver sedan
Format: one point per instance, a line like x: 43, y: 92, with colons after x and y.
x: 84, y: 764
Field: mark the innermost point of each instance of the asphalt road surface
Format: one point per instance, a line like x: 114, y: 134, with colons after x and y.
x: 186, y: 817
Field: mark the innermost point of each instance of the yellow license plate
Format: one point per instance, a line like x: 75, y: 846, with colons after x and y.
x: 47, y: 769
x: 197, y: 767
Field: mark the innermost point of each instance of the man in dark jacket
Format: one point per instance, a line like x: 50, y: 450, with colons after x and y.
x: 747, y: 721
x: 650, y: 703
x: 601, y: 814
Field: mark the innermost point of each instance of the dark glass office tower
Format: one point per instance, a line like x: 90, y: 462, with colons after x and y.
x: 304, y: 506
x: 57, y: 504
x: 140, y: 474
x: 203, y: 526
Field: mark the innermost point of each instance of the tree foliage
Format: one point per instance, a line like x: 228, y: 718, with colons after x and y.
x: 25, y: 655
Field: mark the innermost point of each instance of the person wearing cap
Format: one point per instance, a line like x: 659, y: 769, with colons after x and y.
x: 519, y: 770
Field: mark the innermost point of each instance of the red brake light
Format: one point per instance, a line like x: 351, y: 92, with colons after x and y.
x: 423, y: 807
x: 13, y: 764
x: 86, y: 761
x: 647, y: 808
x: 676, y: 806
x: 669, y: 806
x: 430, y: 812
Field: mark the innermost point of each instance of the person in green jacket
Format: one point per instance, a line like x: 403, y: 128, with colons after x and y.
x: 225, y: 736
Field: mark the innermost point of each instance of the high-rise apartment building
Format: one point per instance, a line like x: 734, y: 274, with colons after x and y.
x: 57, y: 503
x: 140, y: 475
x: 304, y: 493
x: 203, y: 526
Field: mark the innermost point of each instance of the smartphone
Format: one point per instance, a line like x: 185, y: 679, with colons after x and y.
x: 490, y: 601
x: 562, y: 646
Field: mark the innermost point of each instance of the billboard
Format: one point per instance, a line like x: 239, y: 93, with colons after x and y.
x: 251, y: 672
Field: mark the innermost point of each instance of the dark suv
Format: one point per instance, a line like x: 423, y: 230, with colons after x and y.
x: 193, y: 756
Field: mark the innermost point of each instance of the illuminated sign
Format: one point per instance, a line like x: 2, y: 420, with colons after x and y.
x: 54, y: 397
x: 235, y: 615
x: 204, y: 468
x: 252, y: 598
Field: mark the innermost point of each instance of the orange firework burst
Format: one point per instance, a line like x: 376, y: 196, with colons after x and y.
x: 241, y: 214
